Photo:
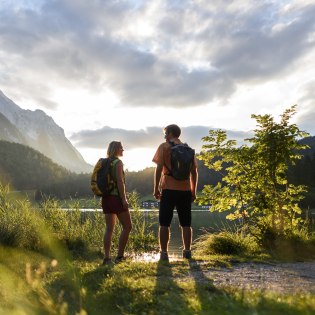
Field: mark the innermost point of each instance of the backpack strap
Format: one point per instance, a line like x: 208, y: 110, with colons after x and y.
x: 113, y: 171
x: 114, y: 168
x: 172, y: 143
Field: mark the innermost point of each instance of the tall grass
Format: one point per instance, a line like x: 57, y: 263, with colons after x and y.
x: 298, y: 244
x: 34, y: 282
x: 27, y: 226
x: 37, y: 245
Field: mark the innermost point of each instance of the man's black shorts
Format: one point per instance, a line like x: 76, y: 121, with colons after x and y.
x: 171, y: 199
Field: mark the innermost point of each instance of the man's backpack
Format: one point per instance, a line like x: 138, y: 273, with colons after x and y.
x: 102, y: 181
x: 182, y: 159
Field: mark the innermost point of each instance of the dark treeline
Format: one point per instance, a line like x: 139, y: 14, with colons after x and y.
x: 24, y: 168
x: 141, y: 182
x: 303, y: 173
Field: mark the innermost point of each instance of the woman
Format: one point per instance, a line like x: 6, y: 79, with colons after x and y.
x: 116, y: 206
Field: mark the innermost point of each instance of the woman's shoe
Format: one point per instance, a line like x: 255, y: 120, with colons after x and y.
x: 107, y: 261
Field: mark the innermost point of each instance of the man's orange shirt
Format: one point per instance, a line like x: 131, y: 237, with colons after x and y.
x: 163, y: 157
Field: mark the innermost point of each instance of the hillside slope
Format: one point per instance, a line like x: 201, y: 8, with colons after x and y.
x: 25, y: 168
x: 39, y: 131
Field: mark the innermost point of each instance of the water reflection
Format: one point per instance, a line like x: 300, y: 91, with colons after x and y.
x: 202, y: 221
x: 154, y: 257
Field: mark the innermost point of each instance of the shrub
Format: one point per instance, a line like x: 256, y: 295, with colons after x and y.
x: 292, y: 246
x: 226, y: 243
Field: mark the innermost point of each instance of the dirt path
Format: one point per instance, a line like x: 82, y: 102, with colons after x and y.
x: 280, y: 277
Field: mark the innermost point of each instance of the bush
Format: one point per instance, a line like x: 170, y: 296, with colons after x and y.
x: 226, y: 243
x: 291, y: 246
x: 288, y: 244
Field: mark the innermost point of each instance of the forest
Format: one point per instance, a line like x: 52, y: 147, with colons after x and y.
x: 24, y: 168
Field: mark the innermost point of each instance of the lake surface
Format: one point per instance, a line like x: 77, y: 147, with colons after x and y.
x: 203, y: 221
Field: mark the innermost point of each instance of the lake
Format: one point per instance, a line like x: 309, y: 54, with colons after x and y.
x: 202, y: 221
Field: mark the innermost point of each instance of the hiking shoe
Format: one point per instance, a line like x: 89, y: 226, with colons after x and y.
x: 120, y: 259
x: 187, y: 254
x: 163, y: 256
x: 107, y: 261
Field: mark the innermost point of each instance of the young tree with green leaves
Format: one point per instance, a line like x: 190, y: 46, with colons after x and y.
x: 255, y: 186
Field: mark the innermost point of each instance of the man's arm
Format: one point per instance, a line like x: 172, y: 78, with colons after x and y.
x: 157, y: 178
x: 193, y: 183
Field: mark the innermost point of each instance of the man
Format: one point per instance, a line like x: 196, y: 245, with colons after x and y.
x: 175, y: 193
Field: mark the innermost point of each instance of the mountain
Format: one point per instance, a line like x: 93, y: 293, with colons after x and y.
x: 39, y: 131
x: 9, y: 132
x: 310, y: 141
x: 24, y: 168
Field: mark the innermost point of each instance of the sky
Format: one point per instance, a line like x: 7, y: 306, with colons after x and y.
x: 122, y: 70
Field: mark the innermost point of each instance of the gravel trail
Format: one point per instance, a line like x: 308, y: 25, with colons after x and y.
x: 281, y: 277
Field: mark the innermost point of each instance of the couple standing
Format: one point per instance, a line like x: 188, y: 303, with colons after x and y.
x: 171, y: 192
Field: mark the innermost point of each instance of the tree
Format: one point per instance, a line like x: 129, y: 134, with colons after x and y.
x: 255, y: 186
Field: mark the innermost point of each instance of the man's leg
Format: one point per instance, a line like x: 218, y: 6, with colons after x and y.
x: 164, y: 236
x: 165, y: 219
x: 183, y: 206
x: 186, y: 237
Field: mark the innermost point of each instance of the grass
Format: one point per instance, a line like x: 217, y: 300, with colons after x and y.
x: 50, y: 264
x: 237, y: 246
x: 46, y: 226
x: 33, y: 283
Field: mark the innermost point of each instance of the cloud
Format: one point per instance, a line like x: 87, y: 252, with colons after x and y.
x: 144, y: 138
x: 305, y: 119
x: 262, y: 47
x: 306, y: 122
x: 150, y: 137
x: 151, y: 53
x: 46, y: 103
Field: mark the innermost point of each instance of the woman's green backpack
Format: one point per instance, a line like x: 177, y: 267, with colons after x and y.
x: 102, y: 181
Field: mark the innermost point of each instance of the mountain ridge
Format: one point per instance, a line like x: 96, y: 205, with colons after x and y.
x: 39, y: 131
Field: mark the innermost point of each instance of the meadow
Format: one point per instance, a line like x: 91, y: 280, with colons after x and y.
x: 50, y: 263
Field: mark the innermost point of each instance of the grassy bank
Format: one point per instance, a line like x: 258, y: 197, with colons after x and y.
x: 46, y: 226
x: 50, y: 264
x: 33, y: 283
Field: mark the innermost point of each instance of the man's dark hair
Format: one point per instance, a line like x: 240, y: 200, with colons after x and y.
x: 174, y: 129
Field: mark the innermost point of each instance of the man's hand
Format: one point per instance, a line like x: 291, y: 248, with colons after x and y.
x: 157, y: 178
x: 157, y: 194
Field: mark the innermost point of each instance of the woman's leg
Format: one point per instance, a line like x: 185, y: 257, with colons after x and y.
x: 110, y: 220
x: 125, y: 221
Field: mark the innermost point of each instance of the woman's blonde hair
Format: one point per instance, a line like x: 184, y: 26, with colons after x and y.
x: 113, y: 148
